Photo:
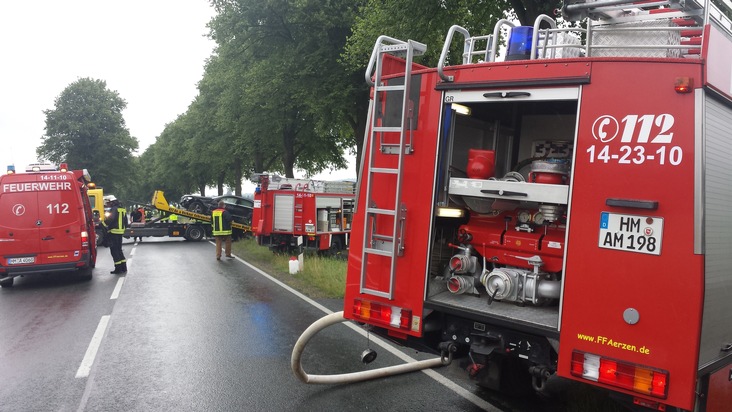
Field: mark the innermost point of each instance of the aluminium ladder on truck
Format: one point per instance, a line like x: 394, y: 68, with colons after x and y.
x: 384, y: 221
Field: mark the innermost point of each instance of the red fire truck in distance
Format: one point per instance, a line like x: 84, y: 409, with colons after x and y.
x: 320, y: 213
x: 561, y: 210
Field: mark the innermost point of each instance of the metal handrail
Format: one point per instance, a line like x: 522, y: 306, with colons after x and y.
x: 375, y: 53
x: 496, y: 33
x: 446, y: 48
x: 535, y: 38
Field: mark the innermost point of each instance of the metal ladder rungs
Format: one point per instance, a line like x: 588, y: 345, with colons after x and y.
x: 377, y: 211
x: 375, y: 292
x: 378, y: 252
x: 418, y: 48
x: 398, y: 87
x: 395, y: 129
x: 391, y: 48
x: 385, y: 170
x: 384, y: 236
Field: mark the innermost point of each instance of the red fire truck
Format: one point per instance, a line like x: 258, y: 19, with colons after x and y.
x: 46, y: 223
x: 561, y: 208
x: 317, y: 212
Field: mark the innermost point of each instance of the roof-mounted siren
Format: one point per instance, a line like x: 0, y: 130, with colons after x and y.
x: 11, y: 169
x: 87, y: 178
x: 63, y: 167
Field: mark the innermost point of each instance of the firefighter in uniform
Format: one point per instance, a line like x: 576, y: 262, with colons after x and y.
x: 221, y: 219
x: 116, y: 224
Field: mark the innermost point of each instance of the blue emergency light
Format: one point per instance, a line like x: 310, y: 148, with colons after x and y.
x: 519, y: 43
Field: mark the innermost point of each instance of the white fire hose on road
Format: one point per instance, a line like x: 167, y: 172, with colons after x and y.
x: 337, y: 317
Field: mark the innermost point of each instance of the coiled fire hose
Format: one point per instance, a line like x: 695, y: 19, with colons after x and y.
x: 337, y: 317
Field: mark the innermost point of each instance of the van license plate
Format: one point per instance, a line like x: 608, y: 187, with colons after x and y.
x: 632, y: 233
x: 21, y: 260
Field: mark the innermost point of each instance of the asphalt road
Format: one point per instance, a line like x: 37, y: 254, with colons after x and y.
x: 182, y: 331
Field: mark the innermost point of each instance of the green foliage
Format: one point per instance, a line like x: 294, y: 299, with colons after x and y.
x: 425, y: 21
x: 283, y: 90
x: 277, y: 72
x: 285, y: 87
x: 429, y: 21
x: 86, y: 129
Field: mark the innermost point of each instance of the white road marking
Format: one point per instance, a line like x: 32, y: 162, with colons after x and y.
x: 469, y: 396
x: 91, y: 351
x: 117, y: 288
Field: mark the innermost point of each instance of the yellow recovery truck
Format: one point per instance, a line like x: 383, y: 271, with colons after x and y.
x: 195, y: 230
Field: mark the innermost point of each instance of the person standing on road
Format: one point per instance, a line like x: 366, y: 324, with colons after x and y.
x: 116, y: 223
x: 138, y: 217
x: 221, y: 219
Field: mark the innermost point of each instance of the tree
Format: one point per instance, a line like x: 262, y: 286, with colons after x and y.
x: 527, y: 11
x: 86, y: 130
x: 284, y: 57
x: 426, y: 21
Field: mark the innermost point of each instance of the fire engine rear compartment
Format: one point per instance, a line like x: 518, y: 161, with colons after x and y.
x: 517, y: 132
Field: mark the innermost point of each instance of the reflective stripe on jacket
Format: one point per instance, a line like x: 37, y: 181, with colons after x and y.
x: 221, y: 226
x: 117, y: 227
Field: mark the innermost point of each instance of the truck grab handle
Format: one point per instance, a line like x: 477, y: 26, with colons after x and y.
x: 632, y: 203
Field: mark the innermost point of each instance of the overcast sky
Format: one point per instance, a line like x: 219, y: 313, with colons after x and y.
x: 152, y: 52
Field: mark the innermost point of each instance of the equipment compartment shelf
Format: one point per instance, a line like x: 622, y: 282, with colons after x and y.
x: 499, y: 189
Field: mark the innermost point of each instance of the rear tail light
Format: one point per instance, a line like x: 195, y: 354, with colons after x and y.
x: 381, y: 314
x: 620, y: 374
x: 84, y: 238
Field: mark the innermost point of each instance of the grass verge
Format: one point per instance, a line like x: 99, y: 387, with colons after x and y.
x: 321, y: 277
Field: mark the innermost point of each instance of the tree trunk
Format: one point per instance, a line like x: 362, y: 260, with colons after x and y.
x: 237, y: 178
x: 220, y: 183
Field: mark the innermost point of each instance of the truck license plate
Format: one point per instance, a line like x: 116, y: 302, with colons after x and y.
x: 632, y: 233
x: 21, y: 260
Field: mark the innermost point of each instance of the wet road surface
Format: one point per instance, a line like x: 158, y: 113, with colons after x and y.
x: 184, y: 332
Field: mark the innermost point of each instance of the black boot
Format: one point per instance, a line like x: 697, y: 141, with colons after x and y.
x: 116, y: 270
x: 123, y: 267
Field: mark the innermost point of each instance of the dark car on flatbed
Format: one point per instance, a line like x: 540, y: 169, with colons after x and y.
x: 239, y: 207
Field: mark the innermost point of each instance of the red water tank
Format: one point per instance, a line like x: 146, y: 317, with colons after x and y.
x: 481, y: 163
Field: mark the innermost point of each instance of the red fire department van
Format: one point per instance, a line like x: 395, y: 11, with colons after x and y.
x: 318, y: 212
x: 561, y: 209
x: 46, y: 223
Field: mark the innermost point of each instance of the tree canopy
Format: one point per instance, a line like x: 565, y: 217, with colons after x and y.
x: 86, y: 130
x: 283, y: 90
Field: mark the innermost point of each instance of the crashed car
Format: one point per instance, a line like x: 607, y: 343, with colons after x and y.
x: 239, y: 207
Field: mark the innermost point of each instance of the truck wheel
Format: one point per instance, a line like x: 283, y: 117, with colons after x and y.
x: 336, y: 248
x: 84, y: 274
x: 194, y: 233
x: 7, y: 283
